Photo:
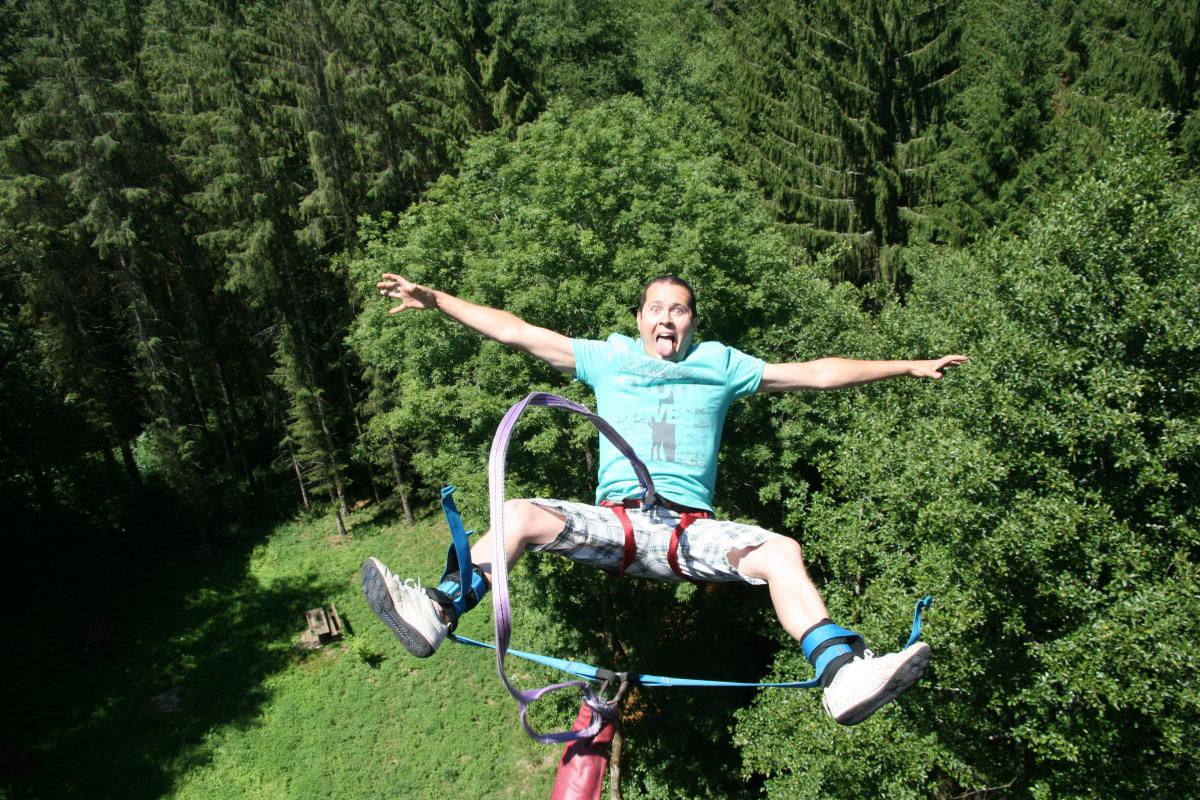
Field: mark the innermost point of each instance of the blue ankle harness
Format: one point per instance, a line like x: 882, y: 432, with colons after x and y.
x: 449, y: 593
x: 828, y: 646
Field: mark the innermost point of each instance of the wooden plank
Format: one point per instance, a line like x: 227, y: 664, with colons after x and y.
x: 318, y: 623
x: 335, y: 622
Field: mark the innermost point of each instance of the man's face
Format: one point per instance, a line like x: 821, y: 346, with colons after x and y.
x: 665, y: 322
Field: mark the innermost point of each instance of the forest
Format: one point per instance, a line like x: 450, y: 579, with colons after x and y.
x: 197, y: 198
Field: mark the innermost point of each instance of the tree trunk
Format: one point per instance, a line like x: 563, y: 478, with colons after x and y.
x: 401, y: 489
x: 614, y: 759
x: 299, y: 477
x: 202, y: 413
x: 137, y: 301
x: 337, y: 514
x: 130, y: 464
x: 227, y: 411
x: 350, y: 404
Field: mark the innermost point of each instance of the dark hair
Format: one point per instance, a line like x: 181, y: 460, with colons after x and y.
x: 672, y: 279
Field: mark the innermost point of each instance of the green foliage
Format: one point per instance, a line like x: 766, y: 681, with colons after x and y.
x: 1147, y: 51
x: 1004, y: 113
x: 673, y: 46
x: 1044, y: 495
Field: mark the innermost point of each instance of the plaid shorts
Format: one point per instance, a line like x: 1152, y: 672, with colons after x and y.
x: 593, y: 535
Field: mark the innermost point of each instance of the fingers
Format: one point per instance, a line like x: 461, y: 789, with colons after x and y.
x: 396, y: 287
x: 950, y: 361
x: 390, y: 282
x: 938, y: 368
x: 410, y: 295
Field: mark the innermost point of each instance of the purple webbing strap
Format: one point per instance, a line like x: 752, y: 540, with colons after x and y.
x: 500, y: 607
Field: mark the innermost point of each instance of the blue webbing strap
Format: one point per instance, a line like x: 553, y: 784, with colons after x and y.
x: 588, y: 672
x: 826, y: 643
x: 458, y: 559
x: 922, y: 604
x: 823, y: 633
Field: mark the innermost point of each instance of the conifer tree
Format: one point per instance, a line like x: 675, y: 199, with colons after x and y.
x: 89, y: 174
x: 839, y: 112
x: 245, y: 151
x: 482, y: 60
x: 1004, y: 111
x: 1145, y: 52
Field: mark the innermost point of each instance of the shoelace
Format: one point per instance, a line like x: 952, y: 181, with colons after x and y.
x: 406, y: 585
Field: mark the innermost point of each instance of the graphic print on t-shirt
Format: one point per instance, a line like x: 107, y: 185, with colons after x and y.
x: 662, y: 430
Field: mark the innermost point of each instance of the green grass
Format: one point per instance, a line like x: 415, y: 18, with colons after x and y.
x: 257, y: 718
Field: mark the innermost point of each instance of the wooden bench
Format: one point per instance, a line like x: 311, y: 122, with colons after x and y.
x: 323, y: 627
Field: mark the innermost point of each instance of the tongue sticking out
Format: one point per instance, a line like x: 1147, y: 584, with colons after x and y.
x: 664, y: 346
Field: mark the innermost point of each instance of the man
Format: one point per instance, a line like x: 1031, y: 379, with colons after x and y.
x: 667, y: 397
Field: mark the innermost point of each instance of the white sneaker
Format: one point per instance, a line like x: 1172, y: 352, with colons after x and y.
x: 862, y: 686
x: 404, y: 607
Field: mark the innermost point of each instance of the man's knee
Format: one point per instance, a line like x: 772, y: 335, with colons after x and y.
x: 530, y: 523
x: 779, y: 557
x: 785, y: 549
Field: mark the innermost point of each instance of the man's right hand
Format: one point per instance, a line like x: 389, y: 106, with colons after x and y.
x: 410, y: 295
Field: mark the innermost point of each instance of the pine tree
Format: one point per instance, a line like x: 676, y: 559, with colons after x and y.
x: 87, y: 172
x: 839, y: 112
x: 244, y: 149
x: 1004, y: 112
x: 1148, y: 53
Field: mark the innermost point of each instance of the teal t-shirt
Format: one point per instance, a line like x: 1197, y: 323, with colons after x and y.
x: 671, y: 413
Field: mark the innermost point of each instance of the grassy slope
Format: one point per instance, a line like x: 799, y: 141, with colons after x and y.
x: 256, y: 718
x: 346, y: 723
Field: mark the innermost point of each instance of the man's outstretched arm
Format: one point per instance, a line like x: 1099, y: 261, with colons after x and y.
x: 508, y: 329
x: 836, y: 373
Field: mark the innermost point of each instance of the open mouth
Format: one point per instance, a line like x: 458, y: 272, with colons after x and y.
x: 664, y: 343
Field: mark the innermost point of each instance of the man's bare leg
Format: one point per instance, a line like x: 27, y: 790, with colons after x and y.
x: 779, y: 562
x: 420, y: 618
x: 525, y: 525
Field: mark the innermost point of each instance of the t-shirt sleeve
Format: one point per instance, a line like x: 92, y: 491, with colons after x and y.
x: 592, y: 359
x: 743, y: 372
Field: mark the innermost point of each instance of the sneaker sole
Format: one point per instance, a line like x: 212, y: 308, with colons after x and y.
x: 379, y: 599
x: 908, y: 673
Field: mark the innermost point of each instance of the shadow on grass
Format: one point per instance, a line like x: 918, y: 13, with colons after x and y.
x: 128, y: 672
